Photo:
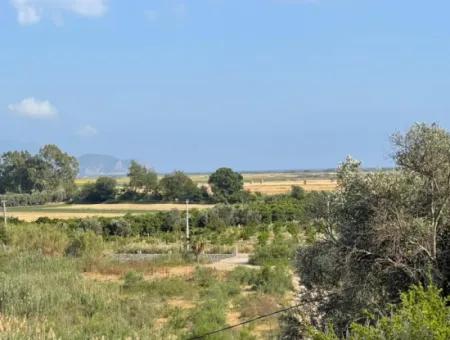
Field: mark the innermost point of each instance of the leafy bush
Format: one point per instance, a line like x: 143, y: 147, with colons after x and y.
x: 119, y: 227
x: 279, y: 251
x: 272, y: 280
x: 422, y: 314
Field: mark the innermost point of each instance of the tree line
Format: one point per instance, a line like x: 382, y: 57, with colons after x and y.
x: 225, y: 185
x: 49, y: 176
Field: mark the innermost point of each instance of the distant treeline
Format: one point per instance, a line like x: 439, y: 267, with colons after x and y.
x: 49, y: 176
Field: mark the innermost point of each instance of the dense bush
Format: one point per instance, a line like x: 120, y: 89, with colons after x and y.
x: 35, y: 198
x: 272, y: 279
x: 278, y: 251
x: 104, y: 189
x: 422, y: 314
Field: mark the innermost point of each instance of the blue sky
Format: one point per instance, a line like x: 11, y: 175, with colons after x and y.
x: 198, y: 84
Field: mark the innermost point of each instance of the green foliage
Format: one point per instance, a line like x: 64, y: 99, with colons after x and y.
x: 35, y: 198
x: 142, y: 178
x: 278, y: 251
x: 381, y: 232
x: 50, y: 170
x: 179, y: 187
x: 226, y: 185
x: 104, y: 189
x: 272, y: 280
x: 87, y: 245
x: 45, y: 239
x: 48, y: 291
x: 422, y: 314
x: 133, y: 280
x: 298, y: 192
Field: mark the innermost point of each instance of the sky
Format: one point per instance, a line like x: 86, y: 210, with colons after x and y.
x: 199, y: 84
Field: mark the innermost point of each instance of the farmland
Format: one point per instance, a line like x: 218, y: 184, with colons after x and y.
x: 268, y: 183
x: 68, y: 211
x: 264, y: 183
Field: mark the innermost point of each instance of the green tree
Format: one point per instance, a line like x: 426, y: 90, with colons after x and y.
x: 102, y: 190
x: 226, y: 185
x: 61, y: 168
x: 383, y: 231
x: 142, y: 178
x: 14, y: 172
x: 49, y: 170
x: 179, y: 186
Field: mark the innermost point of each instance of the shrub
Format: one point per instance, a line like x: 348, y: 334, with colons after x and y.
x: 87, y: 245
x: 243, y: 275
x: 119, y: 227
x: 91, y: 224
x: 279, y: 251
x: 422, y: 314
x: 36, y: 198
x: 205, y: 277
x: 46, y: 239
x: 273, y: 280
x: 133, y: 280
x: 256, y: 305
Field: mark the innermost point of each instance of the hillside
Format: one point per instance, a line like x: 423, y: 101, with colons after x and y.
x: 93, y: 165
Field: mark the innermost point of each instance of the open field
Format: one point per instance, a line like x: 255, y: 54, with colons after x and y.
x: 282, y: 187
x: 270, y: 183
x: 61, y: 284
x: 68, y: 211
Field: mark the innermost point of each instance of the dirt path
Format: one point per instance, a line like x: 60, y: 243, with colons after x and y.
x: 231, y: 263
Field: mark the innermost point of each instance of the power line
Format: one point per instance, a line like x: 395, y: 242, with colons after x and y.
x: 244, y: 323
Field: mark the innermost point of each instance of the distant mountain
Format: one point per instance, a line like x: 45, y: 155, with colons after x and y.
x: 92, y: 165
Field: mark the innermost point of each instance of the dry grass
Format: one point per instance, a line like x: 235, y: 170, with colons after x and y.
x: 282, y: 187
x: 125, y: 207
x: 68, y: 211
x: 31, y: 216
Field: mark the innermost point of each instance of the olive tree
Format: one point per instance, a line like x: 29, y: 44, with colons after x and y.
x: 226, y: 184
x: 382, y: 231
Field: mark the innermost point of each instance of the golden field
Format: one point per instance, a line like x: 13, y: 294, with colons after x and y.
x: 265, y: 183
x: 282, y: 187
x: 270, y: 183
x: 68, y: 211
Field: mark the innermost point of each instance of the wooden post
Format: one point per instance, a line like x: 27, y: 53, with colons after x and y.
x: 187, y: 226
x: 5, y: 219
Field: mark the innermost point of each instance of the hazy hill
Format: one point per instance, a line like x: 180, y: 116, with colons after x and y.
x: 93, y: 165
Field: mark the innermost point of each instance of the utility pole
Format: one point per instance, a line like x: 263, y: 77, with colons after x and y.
x: 187, y: 225
x: 5, y: 219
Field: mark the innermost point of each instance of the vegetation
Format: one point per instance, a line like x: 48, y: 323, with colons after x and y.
x: 226, y: 185
x: 382, y: 233
x: 104, y: 189
x: 372, y: 256
x: 422, y: 314
x: 36, y: 179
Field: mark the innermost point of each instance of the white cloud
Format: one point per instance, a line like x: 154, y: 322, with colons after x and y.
x: 32, y: 11
x: 34, y: 108
x: 87, y: 131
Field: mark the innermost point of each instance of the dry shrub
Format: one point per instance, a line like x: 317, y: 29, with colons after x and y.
x: 21, y: 328
x: 256, y: 305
